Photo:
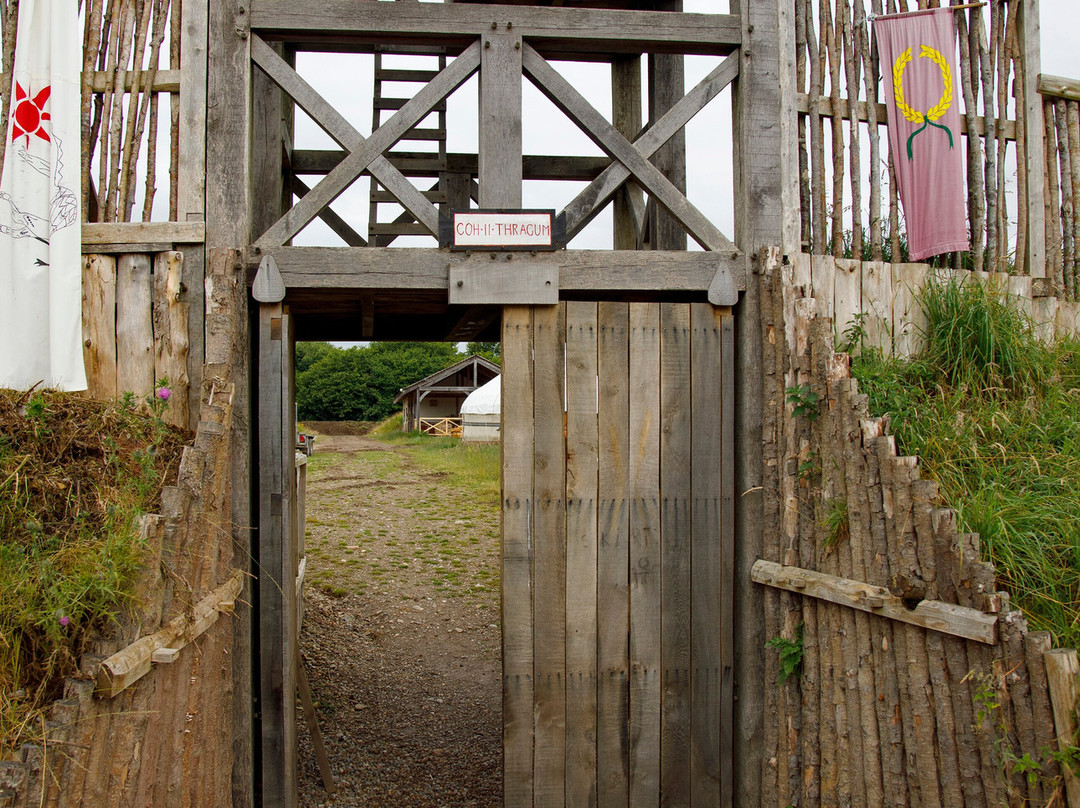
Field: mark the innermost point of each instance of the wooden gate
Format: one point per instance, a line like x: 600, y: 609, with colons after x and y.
x: 618, y: 551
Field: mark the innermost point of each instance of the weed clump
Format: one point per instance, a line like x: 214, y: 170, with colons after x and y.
x: 75, y: 474
x: 994, y: 415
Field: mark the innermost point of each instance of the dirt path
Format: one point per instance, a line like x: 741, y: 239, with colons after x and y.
x: 401, y: 635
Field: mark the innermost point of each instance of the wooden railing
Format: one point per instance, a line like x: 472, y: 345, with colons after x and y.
x: 441, y: 427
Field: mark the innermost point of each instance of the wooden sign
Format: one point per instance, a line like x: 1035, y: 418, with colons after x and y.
x: 488, y: 229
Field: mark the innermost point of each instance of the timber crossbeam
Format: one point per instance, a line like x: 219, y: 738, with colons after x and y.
x: 948, y: 618
x: 595, y: 33
x: 606, y: 273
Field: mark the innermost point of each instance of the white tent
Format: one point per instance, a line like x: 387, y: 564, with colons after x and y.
x: 480, y: 413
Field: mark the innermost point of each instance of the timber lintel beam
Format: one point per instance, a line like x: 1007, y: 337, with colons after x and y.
x: 607, y: 274
x: 343, y: 24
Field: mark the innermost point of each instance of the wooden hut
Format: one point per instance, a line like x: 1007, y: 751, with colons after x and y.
x: 433, y: 404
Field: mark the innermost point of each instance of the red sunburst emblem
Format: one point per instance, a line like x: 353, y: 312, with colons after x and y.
x: 29, y: 114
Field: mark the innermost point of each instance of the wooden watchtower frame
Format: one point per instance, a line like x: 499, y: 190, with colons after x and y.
x: 619, y: 685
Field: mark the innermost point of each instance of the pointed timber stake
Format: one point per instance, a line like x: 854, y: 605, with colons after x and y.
x: 268, y: 286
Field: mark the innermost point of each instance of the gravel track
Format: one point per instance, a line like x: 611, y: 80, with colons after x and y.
x: 404, y: 673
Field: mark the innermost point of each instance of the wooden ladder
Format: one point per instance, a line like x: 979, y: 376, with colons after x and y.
x: 423, y: 161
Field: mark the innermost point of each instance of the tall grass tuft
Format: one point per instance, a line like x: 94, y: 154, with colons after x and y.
x: 994, y: 415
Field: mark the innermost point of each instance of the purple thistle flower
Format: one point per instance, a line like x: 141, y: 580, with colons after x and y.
x: 163, y: 393
x: 65, y: 620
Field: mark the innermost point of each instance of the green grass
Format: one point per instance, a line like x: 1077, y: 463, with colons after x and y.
x: 994, y: 415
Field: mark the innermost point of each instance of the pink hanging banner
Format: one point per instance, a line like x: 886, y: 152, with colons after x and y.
x: 918, y: 61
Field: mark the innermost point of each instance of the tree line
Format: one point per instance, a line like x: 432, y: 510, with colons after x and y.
x: 360, y: 383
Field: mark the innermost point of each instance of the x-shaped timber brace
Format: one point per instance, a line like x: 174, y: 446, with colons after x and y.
x: 630, y: 161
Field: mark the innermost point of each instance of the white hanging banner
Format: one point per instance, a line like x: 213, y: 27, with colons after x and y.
x: 40, y: 249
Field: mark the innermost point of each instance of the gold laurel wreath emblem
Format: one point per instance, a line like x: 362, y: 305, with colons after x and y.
x: 936, y: 111
x: 939, y: 109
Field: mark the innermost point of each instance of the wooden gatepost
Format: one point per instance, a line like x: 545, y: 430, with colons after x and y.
x: 628, y: 628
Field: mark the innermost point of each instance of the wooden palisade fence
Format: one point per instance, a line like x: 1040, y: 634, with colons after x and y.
x: 918, y: 684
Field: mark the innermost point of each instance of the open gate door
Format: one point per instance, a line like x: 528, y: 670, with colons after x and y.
x: 618, y: 526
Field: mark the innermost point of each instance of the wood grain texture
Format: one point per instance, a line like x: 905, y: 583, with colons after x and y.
x: 612, y: 586
x: 675, y: 531
x: 499, y: 131
x: 727, y: 555
x: 171, y: 343
x: 947, y: 618
x: 1034, y: 155
x: 99, y: 325
x: 645, y: 563
x: 134, y: 326
x: 1063, y: 670
x: 191, y: 137
x: 277, y: 571
x: 581, y: 552
x: 228, y: 127
x: 189, y: 232
x: 581, y: 272
x: 566, y: 30
x: 705, y: 556
x: 549, y: 557
x: 517, y: 555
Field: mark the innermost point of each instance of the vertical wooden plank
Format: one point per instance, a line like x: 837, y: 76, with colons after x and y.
x: 1032, y: 121
x: 581, y: 547
x: 823, y: 284
x: 276, y: 569
x: 788, y: 140
x: 228, y: 124
x: 170, y: 318
x: 675, y: 442
x: 517, y: 525
x: 626, y: 117
x: 193, y: 295
x: 99, y: 325
x: 877, y: 293
x: 134, y: 328
x: 1063, y: 674
x: 191, y: 192
x: 227, y: 141
x: 727, y: 555
x: 612, y: 590
x: 908, y: 320
x: 847, y: 293
x: 549, y: 560
x: 666, y: 86
x: 500, y: 120
x: 286, y: 437
x: 705, y: 555
x: 645, y: 570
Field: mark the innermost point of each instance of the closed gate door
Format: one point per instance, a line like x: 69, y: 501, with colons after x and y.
x: 618, y: 552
